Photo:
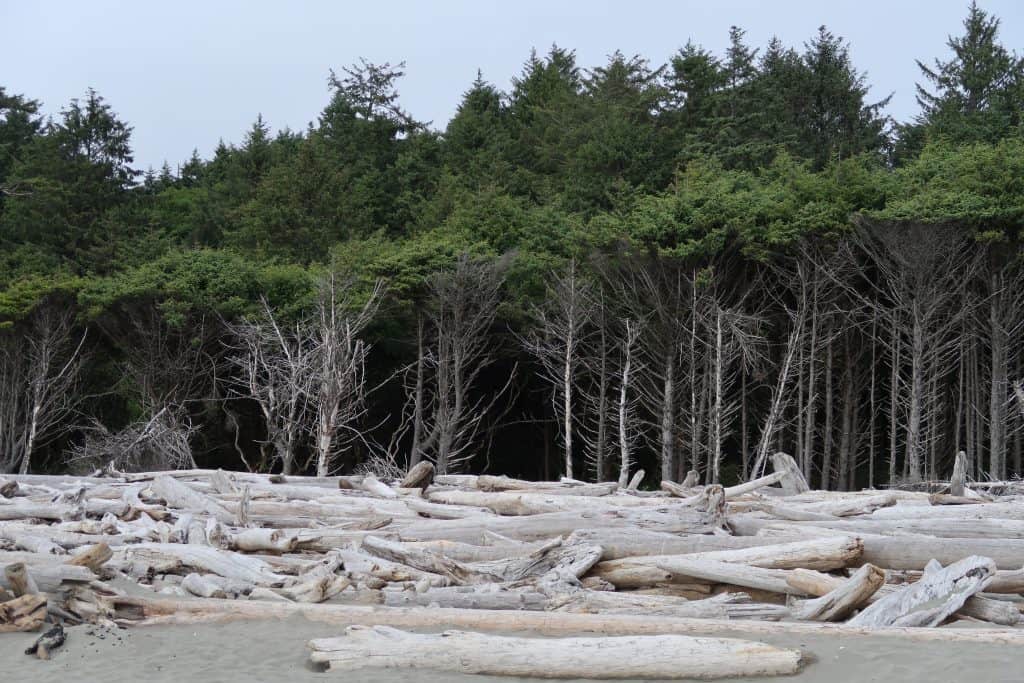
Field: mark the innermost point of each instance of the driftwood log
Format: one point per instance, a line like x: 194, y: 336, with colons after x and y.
x: 658, y: 657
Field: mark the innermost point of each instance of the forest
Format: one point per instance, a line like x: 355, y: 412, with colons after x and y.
x: 676, y: 265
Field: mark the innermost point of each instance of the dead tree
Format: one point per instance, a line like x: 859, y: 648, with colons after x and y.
x: 627, y: 422
x: 161, y: 442
x: 658, y: 290
x: 169, y: 365
x: 596, y: 391
x: 447, y: 414
x: 273, y: 366
x: 1005, y: 324
x: 561, y: 325
x: 337, y: 357
x: 922, y: 272
x: 797, y: 314
x: 40, y: 363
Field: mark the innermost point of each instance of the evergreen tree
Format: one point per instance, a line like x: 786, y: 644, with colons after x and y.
x: 978, y: 94
x: 19, y: 123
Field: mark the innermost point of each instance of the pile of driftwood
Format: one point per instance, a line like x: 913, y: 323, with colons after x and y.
x: 654, y: 579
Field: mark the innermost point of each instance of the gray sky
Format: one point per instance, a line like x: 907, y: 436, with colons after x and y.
x: 188, y: 73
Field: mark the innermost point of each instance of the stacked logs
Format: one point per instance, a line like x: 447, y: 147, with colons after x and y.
x: 644, y: 571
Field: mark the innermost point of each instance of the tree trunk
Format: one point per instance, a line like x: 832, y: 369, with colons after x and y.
x: 667, y: 418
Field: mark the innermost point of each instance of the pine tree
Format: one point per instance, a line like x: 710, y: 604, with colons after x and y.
x: 978, y: 94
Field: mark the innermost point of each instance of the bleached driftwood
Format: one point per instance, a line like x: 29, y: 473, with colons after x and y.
x: 24, y: 613
x: 180, y: 496
x: 176, y: 557
x: 821, y: 554
x: 469, y: 597
x: 419, y: 477
x: 931, y: 600
x: 198, y: 585
x: 159, y: 611
x: 93, y: 557
x: 664, y: 657
x: 792, y: 481
x: 374, y: 486
x: 848, y: 596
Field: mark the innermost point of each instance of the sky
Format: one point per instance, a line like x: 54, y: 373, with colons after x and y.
x: 187, y: 74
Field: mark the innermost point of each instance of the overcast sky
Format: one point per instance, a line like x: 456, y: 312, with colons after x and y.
x: 186, y: 73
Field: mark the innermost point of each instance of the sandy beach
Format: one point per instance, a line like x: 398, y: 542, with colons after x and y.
x: 275, y: 651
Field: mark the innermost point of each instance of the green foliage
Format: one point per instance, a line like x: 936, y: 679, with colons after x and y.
x: 979, y: 185
x: 978, y: 93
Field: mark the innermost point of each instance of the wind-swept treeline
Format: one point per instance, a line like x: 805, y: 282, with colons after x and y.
x: 672, y: 266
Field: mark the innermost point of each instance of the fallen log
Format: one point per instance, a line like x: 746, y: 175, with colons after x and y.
x: 93, y: 557
x: 23, y: 613
x: 263, y: 540
x: 376, y: 487
x: 136, y: 611
x: 175, y: 557
x: 664, y: 657
x: 8, y: 488
x: 793, y: 481
x: 419, y: 477
x: 19, y: 581
x: 722, y: 606
x: 316, y: 590
x: 181, y: 496
x: 932, y: 599
x: 820, y: 553
x: 199, y: 586
x: 491, y: 597
x: 848, y: 596
x: 904, y: 552
x: 684, y: 570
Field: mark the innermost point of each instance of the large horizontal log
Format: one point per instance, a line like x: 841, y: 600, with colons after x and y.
x: 469, y: 597
x: 904, y: 552
x: 722, y: 606
x: 23, y: 508
x: 940, y: 528
x: 518, y: 503
x: 618, y: 543
x: 467, y: 552
x: 48, y: 577
x: 488, y: 483
x: 819, y: 553
x: 631, y: 657
x: 979, y: 511
x: 544, y: 526
x: 138, y: 611
x: 178, y: 558
x: 685, y: 570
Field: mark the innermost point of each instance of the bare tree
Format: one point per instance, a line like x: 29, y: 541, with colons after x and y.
x: 627, y: 422
x: 170, y: 363
x: 659, y: 291
x: 160, y: 443
x: 596, y: 352
x: 922, y: 273
x: 560, y: 329
x: 273, y: 366
x: 447, y: 415
x: 337, y: 358
x: 1005, y: 324
x: 40, y: 363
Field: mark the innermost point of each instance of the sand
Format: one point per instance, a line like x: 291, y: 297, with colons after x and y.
x: 274, y: 651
